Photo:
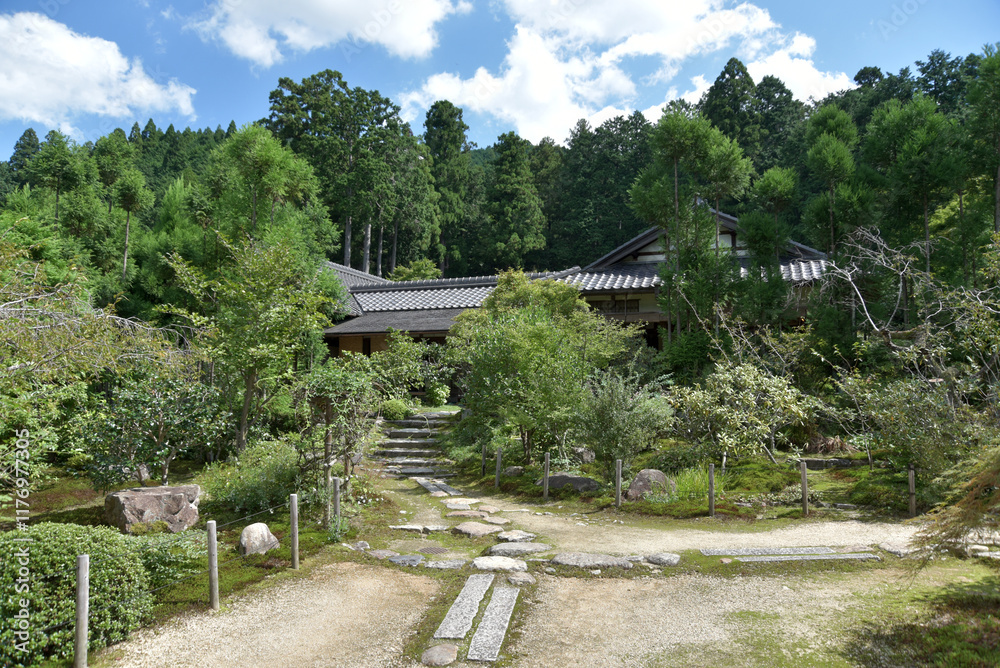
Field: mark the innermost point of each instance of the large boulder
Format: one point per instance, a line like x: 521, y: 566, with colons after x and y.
x: 649, y: 480
x: 177, y: 506
x: 578, y: 482
x: 257, y: 539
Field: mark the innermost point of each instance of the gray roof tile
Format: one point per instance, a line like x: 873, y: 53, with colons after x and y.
x: 438, y: 320
x: 617, y: 277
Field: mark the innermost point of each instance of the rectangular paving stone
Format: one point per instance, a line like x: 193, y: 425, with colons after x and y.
x: 486, y: 642
x: 463, y: 611
x: 762, y: 551
x: 448, y: 488
x: 427, y: 484
x: 810, y: 557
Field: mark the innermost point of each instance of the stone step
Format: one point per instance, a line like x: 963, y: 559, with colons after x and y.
x: 763, y: 551
x: 436, y: 485
x: 414, y: 461
x: 859, y: 556
x: 412, y: 423
x: 408, y: 442
x: 436, y: 415
x: 406, y: 452
x: 492, y: 630
x: 423, y: 472
x: 463, y: 611
x: 412, y: 433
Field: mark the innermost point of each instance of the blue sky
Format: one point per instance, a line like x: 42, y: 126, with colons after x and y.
x: 533, y: 66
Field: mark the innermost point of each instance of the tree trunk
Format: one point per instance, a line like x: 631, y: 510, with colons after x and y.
x: 378, y: 259
x: 392, y: 253
x: 327, y: 463
x: 927, y: 238
x: 366, y: 247
x: 347, y: 240
x: 249, y: 387
x: 128, y: 221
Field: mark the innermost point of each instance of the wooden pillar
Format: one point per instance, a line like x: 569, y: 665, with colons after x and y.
x: 82, y: 610
x: 545, y: 479
x: 805, y: 490
x: 913, y: 492
x: 213, y: 566
x: 711, y: 490
x: 293, y: 519
x: 618, y: 483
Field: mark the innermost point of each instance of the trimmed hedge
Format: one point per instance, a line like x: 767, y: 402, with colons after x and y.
x: 43, y: 582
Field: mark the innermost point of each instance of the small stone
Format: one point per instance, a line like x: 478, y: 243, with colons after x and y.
x: 257, y: 539
x: 514, y: 471
x: 634, y: 558
x: 649, y: 481
x: 596, y: 571
x: 361, y: 546
x: 499, y: 564
x: 407, y: 527
x: 407, y: 559
x: 439, y: 655
x: 517, y: 549
x: 550, y: 570
x: 457, y: 506
x: 439, y: 494
x: 445, y: 564
x: 383, y: 554
x: 664, y: 559
x: 490, y: 509
x: 468, y: 502
x: 516, y: 536
x: 467, y: 513
x: 430, y: 528
x: 725, y: 561
x: 521, y: 579
x: 475, y: 529
x: 499, y: 521
x: 589, y: 561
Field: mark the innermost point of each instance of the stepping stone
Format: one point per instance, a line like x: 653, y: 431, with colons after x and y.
x: 468, y: 502
x: 516, y: 536
x: 448, y: 488
x: 407, y: 559
x: 486, y: 642
x: 408, y: 527
x: 463, y: 611
x: 431, y: 528
x: 446, y: 564
x: 761, y: 551
x: 590, y: 561
x: 521, y: 579
x: 499, y: 564
x: 499, y: 521
x: 457, y: 506
x: 810, y: 557
x: 517, y: 549
x: 898, y: 549
x: 439, y: 493
x: 383, y: 554
x: 428, y: 485
x: 411, y: 433
x: 467, y: 513
x: 489, y: 509
x: 664, y: 559
x: 439, y: 655
x: 475, y: 529
x: 361, y: 546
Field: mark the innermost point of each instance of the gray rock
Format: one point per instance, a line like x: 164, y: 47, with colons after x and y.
x: 577, y: 482
x: 514, y: 471
x: 475, y: 529
x: 760, y: 551
x: 812, y: 557
x: 664, y: 559
x: 468, y: 513
x: 418, y: 528
x: 431, y: 528
x: 649, y: 480
x: 407, y: 559
x: 361, y: 546
x: 517, y: 549
x: 550, y: 570
x: 445, y: 564
x: 439, y: 655
x: 457, y: 506
x: 589, y: 560
x: 585, y: 455
x: 458, y: 620
x: 516, y: 536
x: 257, y: 539
x: 499, y: 521
x: 521, y: 579
x: 486, y: 642
x: 177, y: 506
x: 383, y: 554
x: 489, y: 509
x: 498, y: 564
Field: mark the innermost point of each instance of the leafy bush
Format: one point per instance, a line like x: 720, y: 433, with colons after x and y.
x: 678, y: 457
x: 761, y: 477
x: 119, y: 601
x: 437, y: 394
x: 394, y: 409
x: 264, y: 475
x: 169, y: 557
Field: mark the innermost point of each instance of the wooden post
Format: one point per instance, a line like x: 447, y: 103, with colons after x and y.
x: 711, y: 490
x: 336, y: 502
x: 293, y: 519
x: 484, y: 461
x: 913, y: 492
x: 805, y: 490
x: 82, y: 610
x: 213, y: 567
x: 618, y: 483
x: 496, y: 482
x: 545, y: 479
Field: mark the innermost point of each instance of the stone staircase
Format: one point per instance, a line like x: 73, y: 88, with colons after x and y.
x: 411, y: 450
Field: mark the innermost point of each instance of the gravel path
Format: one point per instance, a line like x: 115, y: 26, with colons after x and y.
x: 344, y: 614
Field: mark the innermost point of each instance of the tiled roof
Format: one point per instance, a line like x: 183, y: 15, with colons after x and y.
x: 617, y: 277
x: 425, y: 298
x: 800, y: 271
x: 352, y: 278
x: 415, y: 321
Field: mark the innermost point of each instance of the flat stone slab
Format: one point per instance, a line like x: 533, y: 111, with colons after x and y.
x: 486, y: 642
x: 516, y: 536
x: 499, y: 564
x: 407, y: 559
x: 408, y: 442
x: 411, y: 432
x: 475, y: 529
x: 419, y: 528
x: 664, y: 559
x: 448, y: 488
x: 590, y: 560
x: 468, y: 502
x: 762, y: 551
x: 383, y: 554
x: 521, y: 579
x: 499, y: 521
x: 446, y: 564
x: 457, y: 506
x: 517, y: 549
x: 468, y: 513
x: 439, y: 655
x: 463, y: 611
x: 431, y: 528
x: 810, y: 557
x: 489, y: 509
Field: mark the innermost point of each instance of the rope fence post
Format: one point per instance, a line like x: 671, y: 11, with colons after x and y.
x: 618, y: 483
x: 213, y: 566
x: 711, y: 490
x: 496, y: 481
x: 293, y: 519
x: 545, y: 479
x: 805, y: 490
x: 913, y: 491
x: 82, y: 610
x: 336, y: 502
x: 483, y: 474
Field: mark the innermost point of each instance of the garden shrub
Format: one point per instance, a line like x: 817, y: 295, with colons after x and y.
x: 119, y: 585
x: 394, y: 409
x: 677, y: 457
x: 762, y: 477
x: 263, y: 476
x: 437, y: 394
x: 171, y: 557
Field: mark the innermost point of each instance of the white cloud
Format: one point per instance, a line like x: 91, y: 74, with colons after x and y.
x: 794, y: 66
x: 51, y: 75
x: 572, y: 59
x: 263, y: 31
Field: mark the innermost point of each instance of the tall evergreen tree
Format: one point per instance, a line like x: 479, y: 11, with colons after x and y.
x: 26, y: 148
x: 730, y: 104
x: 516, y: 222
